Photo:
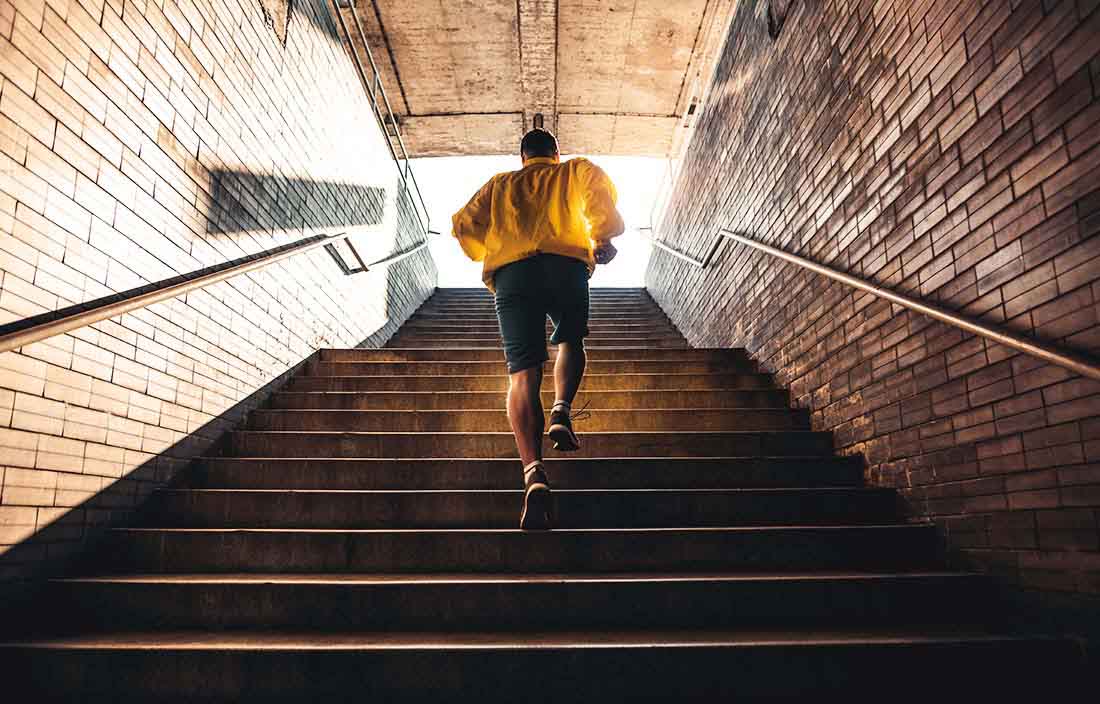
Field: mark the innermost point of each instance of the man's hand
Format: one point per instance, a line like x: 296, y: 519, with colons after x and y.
x: 604, y: 253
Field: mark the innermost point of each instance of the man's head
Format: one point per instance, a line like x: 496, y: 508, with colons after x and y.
x: 538, y: 142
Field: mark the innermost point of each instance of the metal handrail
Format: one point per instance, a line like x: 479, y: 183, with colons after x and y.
x: 39, y: 327
x: 363, y: 266
x: 406, y: 174
x: 1074, y: 361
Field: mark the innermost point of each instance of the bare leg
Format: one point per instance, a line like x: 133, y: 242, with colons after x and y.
x: 525, y: 412
x: 568, y: 370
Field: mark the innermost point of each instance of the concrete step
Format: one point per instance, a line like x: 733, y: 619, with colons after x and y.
x: 636, y: 301
x: 566, y: 473
x: 493, y: 332
x: 504, y: 602
x: 596, y: 314
x: 488, y: 299
x: 498, y: 366
x: 603, y: 325
x: 592, y: 292
x: 616, y: 304
x: 594, y: 300
x: 503, y: 445
x: 499, y: 382
x: 482, y: 291
x: 401, y: 340
x: 547, y: 667
x: 491, y: 319
x: 496, y: 420
x: 595, y: 317
x: 482, y: 296
x: 601, y: 302
x: 780, y: 548
x: 595, y: 310
x: 609, y: 331
x: 440, y: 400
x: 732, y: 357
x: 574, y: 508
x: 596, y: 328
x: 445, y: 290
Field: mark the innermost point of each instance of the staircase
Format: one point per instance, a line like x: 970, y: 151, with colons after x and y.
x: 358, y: 539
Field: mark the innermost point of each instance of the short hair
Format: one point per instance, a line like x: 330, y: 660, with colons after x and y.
x: 538, y: 142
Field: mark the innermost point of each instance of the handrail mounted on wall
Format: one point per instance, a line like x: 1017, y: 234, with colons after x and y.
x: 1074, y: 361
x: 39, y: 327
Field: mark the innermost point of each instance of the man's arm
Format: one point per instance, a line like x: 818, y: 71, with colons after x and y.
x: 599, y: 205
x: 472, y: 223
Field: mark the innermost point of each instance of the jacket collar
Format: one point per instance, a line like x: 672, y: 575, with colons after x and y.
x: 539, y: 160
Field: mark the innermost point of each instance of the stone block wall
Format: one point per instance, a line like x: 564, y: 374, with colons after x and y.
x: 142, y: 139
x: 950, y: 150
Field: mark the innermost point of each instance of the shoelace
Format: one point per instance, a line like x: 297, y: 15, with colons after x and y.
x: 582, y: 414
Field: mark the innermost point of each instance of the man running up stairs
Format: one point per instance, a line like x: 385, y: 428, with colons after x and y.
x: 357, y: 541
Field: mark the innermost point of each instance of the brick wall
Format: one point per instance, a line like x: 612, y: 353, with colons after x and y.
x: 947, y: 149
x: 144, y: 139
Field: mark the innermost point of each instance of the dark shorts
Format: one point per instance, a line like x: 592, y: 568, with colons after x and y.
x: 529, y: 290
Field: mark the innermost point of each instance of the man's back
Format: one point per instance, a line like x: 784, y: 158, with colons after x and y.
x: 556, y: 208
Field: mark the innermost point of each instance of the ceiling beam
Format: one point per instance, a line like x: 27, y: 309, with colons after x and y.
x: 538, y: 50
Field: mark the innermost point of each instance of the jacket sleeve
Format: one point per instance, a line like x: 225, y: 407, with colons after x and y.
x: 599, y: 204
x: 471, y: 224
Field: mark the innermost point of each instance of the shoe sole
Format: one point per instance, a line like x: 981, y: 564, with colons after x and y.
x: 536, y: 508
x: 564, y: 438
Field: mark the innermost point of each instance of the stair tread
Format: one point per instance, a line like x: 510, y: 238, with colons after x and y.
x: 580, y: 432
x: 552, y: 460
x: 459, y: 348
x: 271, y: 472
x: 626, y: 490
x: 480, y: 364
x: 505, y: 577
x: 442, y: 392
x: 591, y: 409
x: 495, y: 376
x: 556, y: 532
x: 254, y: 640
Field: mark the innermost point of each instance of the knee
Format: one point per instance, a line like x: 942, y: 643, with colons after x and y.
x: 526, y: 379
x: 572, y: 349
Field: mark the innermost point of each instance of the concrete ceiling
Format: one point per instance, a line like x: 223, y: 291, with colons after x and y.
x: 609, y: 76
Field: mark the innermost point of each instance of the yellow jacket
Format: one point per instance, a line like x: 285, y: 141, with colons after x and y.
x: 558, y: 208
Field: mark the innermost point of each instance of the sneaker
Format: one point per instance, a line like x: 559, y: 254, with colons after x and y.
x: 536, y: 498
x: 561, y: 428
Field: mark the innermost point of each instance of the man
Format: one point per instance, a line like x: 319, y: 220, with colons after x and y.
x: 541, y: 231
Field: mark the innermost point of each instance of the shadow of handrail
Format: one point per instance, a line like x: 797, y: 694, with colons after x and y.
x: 376, y: 94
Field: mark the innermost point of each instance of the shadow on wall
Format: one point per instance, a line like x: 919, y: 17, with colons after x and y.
x: 279, y: 14
x: 317, y: 13
x: 396, y: 311
x: 285, y: 202
x: 69, y: 543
